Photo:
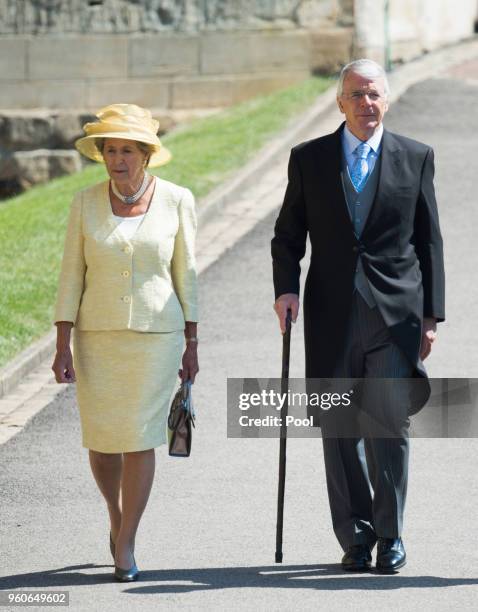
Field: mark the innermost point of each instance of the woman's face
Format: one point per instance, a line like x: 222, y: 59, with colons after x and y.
x: 124, y: 161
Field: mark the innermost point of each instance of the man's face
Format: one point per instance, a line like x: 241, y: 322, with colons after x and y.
x: 364, y: 103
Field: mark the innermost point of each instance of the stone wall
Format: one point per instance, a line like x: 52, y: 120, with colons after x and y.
x: 164, y: 53
x: 41, y: 17
x: 60, y: 59
x: 169, y: 71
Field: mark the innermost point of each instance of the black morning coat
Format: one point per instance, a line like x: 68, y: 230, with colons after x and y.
x: 401, y: 248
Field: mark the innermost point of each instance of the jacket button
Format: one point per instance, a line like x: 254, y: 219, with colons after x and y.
x: 126, y: 299
x: 125, y: 273
x: 355, y: 249
x: 128, y: 250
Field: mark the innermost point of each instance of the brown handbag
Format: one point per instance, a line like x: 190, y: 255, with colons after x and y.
x: 180, y: 422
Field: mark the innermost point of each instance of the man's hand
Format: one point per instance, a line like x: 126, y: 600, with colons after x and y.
x: 282, y: 304
x: 428, y: 337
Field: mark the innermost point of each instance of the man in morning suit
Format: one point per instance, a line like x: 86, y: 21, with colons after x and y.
x: 373, y: 295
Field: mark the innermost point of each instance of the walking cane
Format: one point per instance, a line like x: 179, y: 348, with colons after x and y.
x: 283, y: 434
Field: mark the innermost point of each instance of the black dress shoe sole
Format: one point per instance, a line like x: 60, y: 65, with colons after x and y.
x: 390, y: 570
x: 357, y: 568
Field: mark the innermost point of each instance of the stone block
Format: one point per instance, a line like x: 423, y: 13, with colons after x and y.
x: 67, y: 127
x: 151, y: 56
x: 150, y: 93
x: 64, y: 162
x: 12, y: 59
x: 18, y: 132
x: 27, y: 130
x: 238, y: 52
x: 30, y: 168
x: 202, y: 92
x: 330, y: 49
x: 79, y: 57
x: 247, y: 87
x: 42, y: 94
x: 229, y: 89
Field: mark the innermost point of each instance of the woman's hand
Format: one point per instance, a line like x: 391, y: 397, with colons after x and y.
x: 63, y: 366
x: 190, y: 363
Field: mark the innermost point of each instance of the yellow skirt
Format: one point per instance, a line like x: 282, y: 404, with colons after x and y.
x: 124, y: 384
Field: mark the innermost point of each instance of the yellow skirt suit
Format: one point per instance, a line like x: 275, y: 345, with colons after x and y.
x: 128, y: 300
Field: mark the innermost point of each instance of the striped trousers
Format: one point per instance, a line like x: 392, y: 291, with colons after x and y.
x: 366, y: 470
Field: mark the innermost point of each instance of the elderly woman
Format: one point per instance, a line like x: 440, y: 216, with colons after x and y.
x: 128, y: 287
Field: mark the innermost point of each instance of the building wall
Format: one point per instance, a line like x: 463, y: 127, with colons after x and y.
x: 414, y: 26
x: 443, y: 22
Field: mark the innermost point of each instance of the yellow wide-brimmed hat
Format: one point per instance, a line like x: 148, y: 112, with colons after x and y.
x: 126, y: 121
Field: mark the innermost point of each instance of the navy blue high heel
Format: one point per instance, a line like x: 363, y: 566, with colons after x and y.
x: 129, y: 575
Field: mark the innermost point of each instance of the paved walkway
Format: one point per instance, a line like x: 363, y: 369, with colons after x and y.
x: 207, y: 537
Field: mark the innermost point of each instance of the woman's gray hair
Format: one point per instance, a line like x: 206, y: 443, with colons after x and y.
x: 147, y: 149
x: 366, y: 68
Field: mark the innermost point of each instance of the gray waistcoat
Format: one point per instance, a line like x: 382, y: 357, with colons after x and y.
x: 359, y: 205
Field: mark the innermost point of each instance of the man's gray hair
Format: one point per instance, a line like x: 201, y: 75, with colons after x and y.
x: 366, y: 68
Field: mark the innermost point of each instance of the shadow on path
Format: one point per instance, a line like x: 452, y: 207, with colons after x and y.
x: 327, y: 577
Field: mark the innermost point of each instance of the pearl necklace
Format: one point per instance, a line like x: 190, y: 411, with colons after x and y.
x: 131, y: 199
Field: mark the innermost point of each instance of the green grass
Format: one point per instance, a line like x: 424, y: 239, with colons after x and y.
x: 32, y: 225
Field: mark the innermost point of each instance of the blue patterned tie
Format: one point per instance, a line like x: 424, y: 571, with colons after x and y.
x: 359, y: 171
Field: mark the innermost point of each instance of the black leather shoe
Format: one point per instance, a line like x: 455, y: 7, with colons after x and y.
x: 129, y: 575
x: 391, y: 555
x: 358, y: 558
x: 112, y: 546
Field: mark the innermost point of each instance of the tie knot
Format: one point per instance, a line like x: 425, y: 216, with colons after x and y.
x: 363, y: 150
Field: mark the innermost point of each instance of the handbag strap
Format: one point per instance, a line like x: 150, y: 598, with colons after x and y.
x: 188, y: 402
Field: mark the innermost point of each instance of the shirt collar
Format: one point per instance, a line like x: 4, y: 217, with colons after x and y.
x: 351, y: 142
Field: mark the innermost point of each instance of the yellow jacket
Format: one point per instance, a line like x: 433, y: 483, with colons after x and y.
x: 147, y: 283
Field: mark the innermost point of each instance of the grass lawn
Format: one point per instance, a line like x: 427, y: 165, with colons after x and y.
x: 32, y: 225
